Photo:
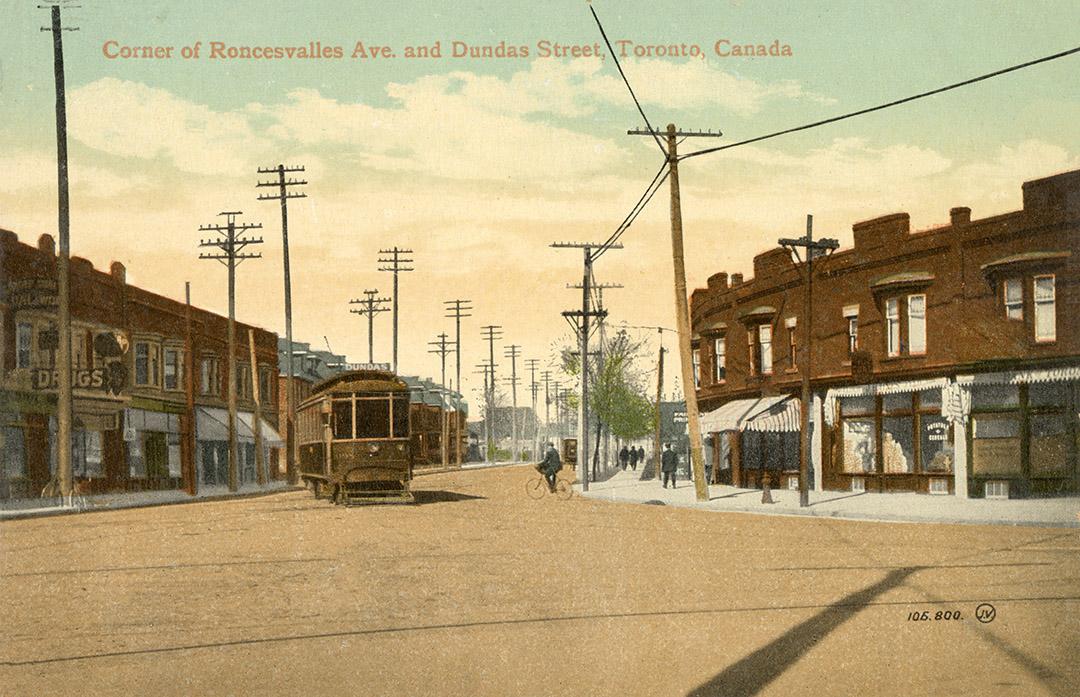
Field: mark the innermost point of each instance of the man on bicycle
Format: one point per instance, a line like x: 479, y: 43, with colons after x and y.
x: 550, y: 466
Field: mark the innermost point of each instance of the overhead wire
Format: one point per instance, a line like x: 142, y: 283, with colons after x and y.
x: 887, y: 105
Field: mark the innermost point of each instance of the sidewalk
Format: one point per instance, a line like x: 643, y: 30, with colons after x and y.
x: 625, y: 487
x: 36, y: 508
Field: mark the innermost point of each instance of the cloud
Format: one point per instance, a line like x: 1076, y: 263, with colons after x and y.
x: 131, y: 119
x: 25, y: 171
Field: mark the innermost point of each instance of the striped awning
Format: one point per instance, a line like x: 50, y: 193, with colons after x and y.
x: 212, y: 424
x: 772, y: 414
x: 1023, y: 377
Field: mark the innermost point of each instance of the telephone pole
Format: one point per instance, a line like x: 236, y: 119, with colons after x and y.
x: 230, y: 253
x: 490, y: 333
x: 457, y: 309
x: 682, y: 310
x: 812, y: 248
x: 283, y: 195
x: 511, y: 352
x: 534, y: 388
x: 558, y: 413
x: 442, y: 347
x: 546, y: 377
x: 486, y: 368
x: 370, y: 306
x: 396, y: 259
x: 601, y: 324
x: 63, y: 277
x: 580, y: 320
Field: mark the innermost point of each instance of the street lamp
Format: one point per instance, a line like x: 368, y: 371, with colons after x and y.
x: 823, y: 247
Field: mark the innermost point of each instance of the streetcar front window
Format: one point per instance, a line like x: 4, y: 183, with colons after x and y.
x: 373, y: 418
x: 401, y: 417
x: 341, y: 419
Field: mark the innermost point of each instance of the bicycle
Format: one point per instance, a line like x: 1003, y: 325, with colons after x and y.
x: 536, y: 487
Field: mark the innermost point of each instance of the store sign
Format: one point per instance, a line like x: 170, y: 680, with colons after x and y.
x: 369, y: 366
x: 85, y: 379
x: 33, y: 293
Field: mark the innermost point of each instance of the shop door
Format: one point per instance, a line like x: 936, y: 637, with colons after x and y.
x: 156, y: 453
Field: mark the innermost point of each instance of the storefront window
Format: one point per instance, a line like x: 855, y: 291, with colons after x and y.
x: 990, y: 396
x: 935, y: 444
x: 136, y: 460
x: 174, y: 455
x: 24, y: 341
x: 995, y: 444
x: 855, y: 406
x: 930, y: 399
x: 860, y: 445
x: 1048, y: 448
x: 13, y: 452
x: 897, y: 444
x: 1048, y: 394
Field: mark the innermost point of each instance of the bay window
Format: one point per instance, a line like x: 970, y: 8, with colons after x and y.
x: 719, y: 359
x: 1013, y: 292
x: 1045, y: 315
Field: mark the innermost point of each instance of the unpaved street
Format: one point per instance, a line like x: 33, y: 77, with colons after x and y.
x: 480, y: 590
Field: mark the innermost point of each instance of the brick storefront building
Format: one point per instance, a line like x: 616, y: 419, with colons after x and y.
x: 149, y: 374
x: 944, y: 361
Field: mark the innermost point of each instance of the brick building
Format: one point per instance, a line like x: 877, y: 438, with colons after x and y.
x: 150, y: 379
x: 944, y: 361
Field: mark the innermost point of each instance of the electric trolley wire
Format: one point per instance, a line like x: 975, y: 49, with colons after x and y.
x: 886, y: 105
x: 643, y: 201
x: 627, y: 83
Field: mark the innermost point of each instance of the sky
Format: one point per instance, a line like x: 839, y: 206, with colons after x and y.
x: 478, y: 164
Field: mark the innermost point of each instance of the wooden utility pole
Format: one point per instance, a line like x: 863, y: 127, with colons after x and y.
x: 396, y: 259
x: 601, y: 326
x: 534, y: 388
x: 490, y: 333
x: 546, y: 377
x: 231, y: 253
x: 457, y: 309
x: 657, y: 444
x: 486, y: 368
x: 580, y: 321
x: 256, y: 416
x: 511, y: 352
x: 370, y: 306
x: 682, y: 309
x: 812, y: 248
x: 63, y: 277
x: 191, y: 471
x: 442, y: 348
x: 283, y: 195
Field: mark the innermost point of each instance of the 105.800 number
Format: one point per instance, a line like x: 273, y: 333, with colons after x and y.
x: 925, y: 616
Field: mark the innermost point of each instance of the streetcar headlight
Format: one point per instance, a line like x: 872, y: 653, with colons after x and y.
x: 373, y: 448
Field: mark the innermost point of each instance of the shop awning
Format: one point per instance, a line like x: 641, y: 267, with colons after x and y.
x: 773, y: 414
x: 212, y: 424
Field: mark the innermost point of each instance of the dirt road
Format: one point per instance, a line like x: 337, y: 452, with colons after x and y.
x: 481, y: 591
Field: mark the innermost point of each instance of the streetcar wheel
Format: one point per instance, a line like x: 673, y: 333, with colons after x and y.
x: 563, y: 490
x: 536, y: 488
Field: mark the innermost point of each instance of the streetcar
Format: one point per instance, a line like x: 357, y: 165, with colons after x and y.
x: 355, y: 439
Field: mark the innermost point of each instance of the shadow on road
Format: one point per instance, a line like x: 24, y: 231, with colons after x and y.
x: 424, y: 497
x: 752, y: 673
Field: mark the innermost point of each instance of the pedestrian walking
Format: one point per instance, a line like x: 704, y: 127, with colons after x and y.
x: 633, y: 459
x: 668, y: 462
x: 624, y: 457
x: 641, y: 455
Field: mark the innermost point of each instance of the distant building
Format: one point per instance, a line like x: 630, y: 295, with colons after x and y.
x: 150, y: 378
x: 944, y: 361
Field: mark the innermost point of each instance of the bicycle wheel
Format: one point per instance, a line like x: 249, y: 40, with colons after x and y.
x: 536, y: 488
x: 563, y: 490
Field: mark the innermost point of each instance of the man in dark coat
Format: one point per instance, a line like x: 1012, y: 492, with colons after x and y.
x: 641, y: 455
x: 633, y: 459
x: 624, y: 457
x: 550, y: 465
x: 668, y: 462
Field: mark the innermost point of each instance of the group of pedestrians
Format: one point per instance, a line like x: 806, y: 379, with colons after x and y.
x: 631, y: 456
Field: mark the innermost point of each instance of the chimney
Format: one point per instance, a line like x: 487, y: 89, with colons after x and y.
x: 47, y: 245
x: 736, y: 279
x: 718, y: 282
x: 961, y: 215
x: 118, y: 271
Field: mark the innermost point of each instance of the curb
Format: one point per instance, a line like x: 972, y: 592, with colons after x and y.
x: 836, y: 515
x: 48, y: 513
